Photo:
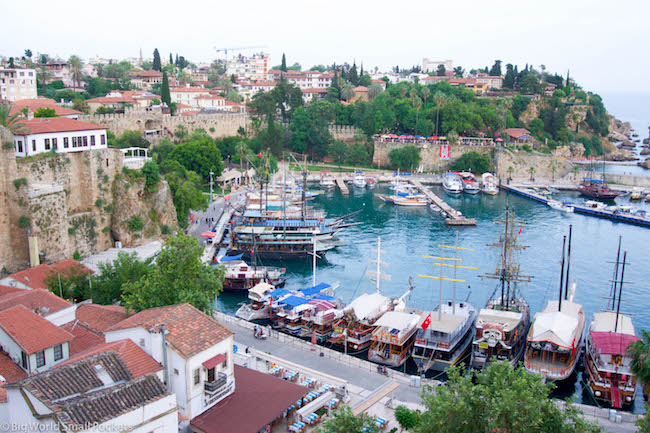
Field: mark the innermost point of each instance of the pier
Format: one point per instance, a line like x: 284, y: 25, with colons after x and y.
x: 341, y: 184
x: 452, y: 216
x: 577, y: 208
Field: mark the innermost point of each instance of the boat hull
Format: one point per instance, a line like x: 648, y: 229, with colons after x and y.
x: 426, y: 364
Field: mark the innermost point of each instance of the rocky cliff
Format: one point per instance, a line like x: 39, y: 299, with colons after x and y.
x: 69, y: 202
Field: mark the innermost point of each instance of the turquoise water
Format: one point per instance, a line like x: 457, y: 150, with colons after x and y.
x: 409, y: 233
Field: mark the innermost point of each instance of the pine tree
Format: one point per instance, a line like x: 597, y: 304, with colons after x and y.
x: 343, y: 75
x: 568, y: 83
x: 176, y: 62
x: 361, y: 72
x: 164, y: 90
x: 156, y: 61
x: 11, y: 63
x: 283, y: 65
x: 171, y: 59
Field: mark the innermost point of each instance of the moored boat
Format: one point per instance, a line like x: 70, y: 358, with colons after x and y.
x: 501, y: 326
x: 393, y: 338
x: 470, y: 185
x: 490, y: 186
x: 359, y: 180
x: 637, y: 193
x: 452, y: 183
x: 241, y: 276
x: 327, y: 180
x: 261, y: 297
x: 597, y: 189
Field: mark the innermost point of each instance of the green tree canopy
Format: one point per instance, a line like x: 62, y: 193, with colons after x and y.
x: 46, y: 112
x: 199, y: 156
x: 404, y: 158
x: 71, y: 283
x: 475, y: 162
x: 178, y: 276
x: 112, y: 276
x: 344, y: 421
x: 156, y: 66
x: 165, y: 96
x: 498, y: 399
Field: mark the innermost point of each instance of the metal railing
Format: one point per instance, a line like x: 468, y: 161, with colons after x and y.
x: 216, y: 384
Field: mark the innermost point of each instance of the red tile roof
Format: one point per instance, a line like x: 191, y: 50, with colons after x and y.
x: 150, y: 73
x: 108, y: 100
x: 137, y: 360
x: 10, y: 371
x: 30, y: 331
x: 84, y: 337
x: 314, y: 90
x: 268, y: 395
x: 189, y: 113
x: 190, y: 331
x: 5, y: 290
x: 33, y: 105
x: 517, y: 132
x: 189, y: 89
x: 100, y: 317
x: 209, y: 97
x: 361, y: 89
x: 35, y: 277
x: 45, y: 125
x: 40, y: 301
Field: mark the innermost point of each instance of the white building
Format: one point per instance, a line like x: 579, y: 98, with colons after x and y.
x: 32, y: 342
x: 195, y: 350
x: 491, y: 81
x: 96, y: 394
x: 58, y: 134
x: 255, y: 67
x: 432, y: 65
x: 210, y: 102
x: 186, y: 95
x: 17, y: 84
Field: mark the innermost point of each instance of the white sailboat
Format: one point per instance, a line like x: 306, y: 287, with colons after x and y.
x: 490, y: 186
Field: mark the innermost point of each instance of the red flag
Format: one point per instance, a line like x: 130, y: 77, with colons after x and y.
x: 271, y: 301
x: 426, y: 322
x: 520, y: 229
x: 260, y: 154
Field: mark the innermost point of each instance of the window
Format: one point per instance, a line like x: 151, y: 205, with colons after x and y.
x: 20, y: 146
x: 103, y: 139
x: 211, y: 374
x: 58, y: 352
x: 22, y: 74
x: 92, y: 140
x: 31, y: 74
x: 40, y: 359
x: 23, y: 360
x: 85, y: 141
x: 74, y: 141
x: 47, y: 144
x: 54, y: 144
x: 197, y: 376
x: 33, y: 145
x: 65, y: 142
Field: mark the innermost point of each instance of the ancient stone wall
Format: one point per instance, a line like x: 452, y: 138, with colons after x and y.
x: 68, y: 201
x: 429, y: 153
x: 344, y: 133
x: 217, y: 125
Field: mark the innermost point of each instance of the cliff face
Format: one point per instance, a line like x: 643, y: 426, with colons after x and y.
x: 140, y: 216
x: 67, y: 200
x: 545, y: 166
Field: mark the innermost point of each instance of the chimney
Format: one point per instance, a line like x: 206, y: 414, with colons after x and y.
x: 34, y: 259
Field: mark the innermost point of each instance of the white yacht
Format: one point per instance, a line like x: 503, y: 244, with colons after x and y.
x: 359, y: 180
x: 489, y: 186
x: 452, y: 183
x: 327, y: 180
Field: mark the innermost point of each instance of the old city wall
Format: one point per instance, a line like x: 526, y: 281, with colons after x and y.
x: 217, y: 125
x: 503, y: 159
x: 69, y: 201
x: 347, y: 134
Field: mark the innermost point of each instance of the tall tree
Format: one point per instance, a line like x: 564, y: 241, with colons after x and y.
x: 12, y: 122
x: 283, y: 65
x: 171, y: 59
x: 495, y: 71
x: 441, y: 71
x: 178, y: 276
x: 344, y: 421
x: 459, y: 71
x: 11, y: 63
x: 509, y: 79
x: 361, y: 71
x: 75, y: 64
x: 156, y: 66
x: 28, y: 53
x: 498, y: 399
x: 165, y: 96
x: 353, y: 76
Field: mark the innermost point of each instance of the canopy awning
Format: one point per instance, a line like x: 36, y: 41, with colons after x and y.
x: 231, y: 258
x: 316, y: 289
x: 208, y: 234
x: 214, y: 361
x: 278, y: 292
x: 293, y: 301
x: 612, y: 343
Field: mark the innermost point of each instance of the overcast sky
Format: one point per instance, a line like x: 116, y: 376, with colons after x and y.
x: 604, y: 43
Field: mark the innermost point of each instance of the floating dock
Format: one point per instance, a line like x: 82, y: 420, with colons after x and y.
x: 577, y: 208
x: 341, y: 184
x: 452, y: 216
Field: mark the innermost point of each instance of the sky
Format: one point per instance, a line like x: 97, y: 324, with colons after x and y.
x: 602, y: 42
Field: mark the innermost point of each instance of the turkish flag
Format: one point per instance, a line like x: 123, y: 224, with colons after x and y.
x: 271, y: 301
x: 520, y: 229
x: 426, y: 322
x: 260, y: 155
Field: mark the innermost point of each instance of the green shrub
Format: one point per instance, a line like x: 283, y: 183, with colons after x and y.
x: 165, y: 230
x: 23, y: 221
x: 19, y: 182
x: 76, y: 255
x: 99, y: 202
x: 135, y: 224
x: 109, y: 208
x: 72, y: 231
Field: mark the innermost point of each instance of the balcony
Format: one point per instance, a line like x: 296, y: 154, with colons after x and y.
x: 215, y: 385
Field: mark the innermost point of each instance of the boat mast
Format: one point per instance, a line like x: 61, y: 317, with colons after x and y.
x: 453, y: 307
x: 442, y: 245
x: 504, y: 259
x: 568, y: 265
x: 378, y: 261
x: 559, y: 305
x: 313, y: 278
x: 284, y: 201
x: 612, y: 291
x: 620, y: 290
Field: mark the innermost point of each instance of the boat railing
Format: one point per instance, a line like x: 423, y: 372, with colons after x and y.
x: 445, y: 338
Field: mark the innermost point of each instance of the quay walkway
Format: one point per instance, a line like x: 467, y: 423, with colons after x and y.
x: 601, y: 213
x: 453, y: 217
x: 341, y: 184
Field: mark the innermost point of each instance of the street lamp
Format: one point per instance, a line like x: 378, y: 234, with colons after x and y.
x: 211, y: 173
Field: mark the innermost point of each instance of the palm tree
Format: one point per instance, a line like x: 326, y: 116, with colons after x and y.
x: 374, y: 90
x: 12, y: 122
x: 347, y: 92
x: 511, y: 170
x: 75, y: 64
x: 417, y: 104
x: 425, y: 94
x: 639, y: 351
x: 441, y: 100
x: 575, y: 170
x: 43, y: 75
x: 553, y: 170
x: 531, y: 170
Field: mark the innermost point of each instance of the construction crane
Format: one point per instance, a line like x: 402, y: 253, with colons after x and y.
x: 225, y: 51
